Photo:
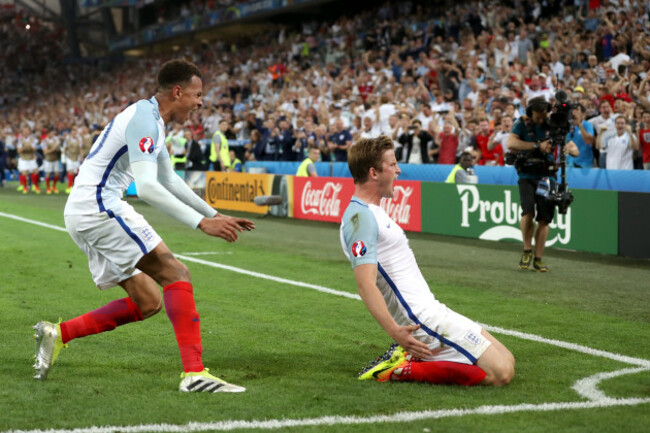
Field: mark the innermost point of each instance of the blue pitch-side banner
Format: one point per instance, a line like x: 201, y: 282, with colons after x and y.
x: 180, y: 26
x: 208, y: 19
x: 127, y: 42
x: 578, y: 178
x: 108, y: 3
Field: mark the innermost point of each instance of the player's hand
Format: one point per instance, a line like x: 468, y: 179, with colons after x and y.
x: 245, y: 224
x: 222, y: 227
x: 404, y: 337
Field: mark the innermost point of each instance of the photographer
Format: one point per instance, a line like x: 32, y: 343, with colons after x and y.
x: 535, y: 168
x: 418, y: 144
x: 583, y: 136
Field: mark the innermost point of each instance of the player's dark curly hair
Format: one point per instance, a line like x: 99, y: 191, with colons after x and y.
x: 175, y: 72
x: 366, y: 153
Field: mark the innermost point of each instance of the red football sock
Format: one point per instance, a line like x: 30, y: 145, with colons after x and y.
x: 56, y: 180
x: 110, y: 316
x: 441, y: 372
x: 70, y: 180
x: 23, y: 180
x: 35, y: 180
x: 181, y: 310
x: 47, y: 181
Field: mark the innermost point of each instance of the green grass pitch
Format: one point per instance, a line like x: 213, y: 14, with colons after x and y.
x: 298, y: 350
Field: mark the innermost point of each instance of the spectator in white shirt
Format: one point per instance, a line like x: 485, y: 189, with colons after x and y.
x: 620, y: 146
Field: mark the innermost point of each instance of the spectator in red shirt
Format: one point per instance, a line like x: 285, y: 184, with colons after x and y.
x: 365, y: 86
x: 644, y: 139
x: 447, y: 139
x: 488, y: 157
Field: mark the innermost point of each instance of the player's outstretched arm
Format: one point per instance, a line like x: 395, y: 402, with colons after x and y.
x: 174, y: 184
x: 366, y: 276
x: 151, y: 191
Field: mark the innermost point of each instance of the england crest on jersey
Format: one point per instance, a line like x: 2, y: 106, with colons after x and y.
x: 147, y: 145
x: 358, y: 249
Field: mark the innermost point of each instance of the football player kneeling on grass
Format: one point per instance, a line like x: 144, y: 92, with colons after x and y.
x: 433, y: 343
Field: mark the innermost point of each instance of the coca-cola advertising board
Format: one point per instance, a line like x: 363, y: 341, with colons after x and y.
x: 405, y: 206
x: 321, y: 198
x: 326, y: 198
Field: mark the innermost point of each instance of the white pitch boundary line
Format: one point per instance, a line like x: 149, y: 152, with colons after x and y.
x: 571, y: 346
x: 210, y: 253
x: 586, y: 387
x: 399, y: 417
x: 270, y: 277
x: 38, y: 223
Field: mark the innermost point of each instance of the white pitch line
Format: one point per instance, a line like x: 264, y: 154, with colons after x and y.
x: 571, y: 346
x: 586, y: 387
x: 271, y: 277
x: 38, y: 223
x: 399, y: 417
x: 209, y: 253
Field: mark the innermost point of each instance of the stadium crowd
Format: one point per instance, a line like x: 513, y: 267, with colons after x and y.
x: 439, y: 78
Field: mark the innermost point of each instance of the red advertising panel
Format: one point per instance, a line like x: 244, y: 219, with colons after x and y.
x: 405, y: 206
x: 321, y: 198
x: 326, y: 198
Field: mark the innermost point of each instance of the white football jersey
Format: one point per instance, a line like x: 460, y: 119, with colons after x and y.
x: 369, y: 235
x: 135, y: 134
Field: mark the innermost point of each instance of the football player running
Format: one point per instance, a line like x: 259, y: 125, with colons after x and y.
x: 122, y: 248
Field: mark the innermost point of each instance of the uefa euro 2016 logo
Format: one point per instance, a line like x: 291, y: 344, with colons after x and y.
x: 358, y: 249
x: 146, y: 145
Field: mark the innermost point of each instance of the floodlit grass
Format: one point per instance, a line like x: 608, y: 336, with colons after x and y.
x: 298, y: 350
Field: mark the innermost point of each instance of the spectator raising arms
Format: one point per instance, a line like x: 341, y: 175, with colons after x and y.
x: 471, y: 68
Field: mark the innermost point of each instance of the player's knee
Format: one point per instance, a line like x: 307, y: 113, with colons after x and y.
x: 150, y: 306
x: 182, y: 271
x: 172, y: 271
x: 503, y: 374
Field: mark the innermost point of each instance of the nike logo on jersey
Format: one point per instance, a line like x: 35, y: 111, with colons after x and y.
x: 388, y: 225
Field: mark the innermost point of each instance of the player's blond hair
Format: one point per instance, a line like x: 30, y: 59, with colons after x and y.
x: 367, y: 153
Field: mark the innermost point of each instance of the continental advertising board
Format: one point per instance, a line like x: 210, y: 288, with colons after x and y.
x: 489, y: 212
x: 326, y: 198
x: 236, y: 191
x: 493, y: 212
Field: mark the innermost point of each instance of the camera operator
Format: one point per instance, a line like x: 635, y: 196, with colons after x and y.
x: 535, y: 163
